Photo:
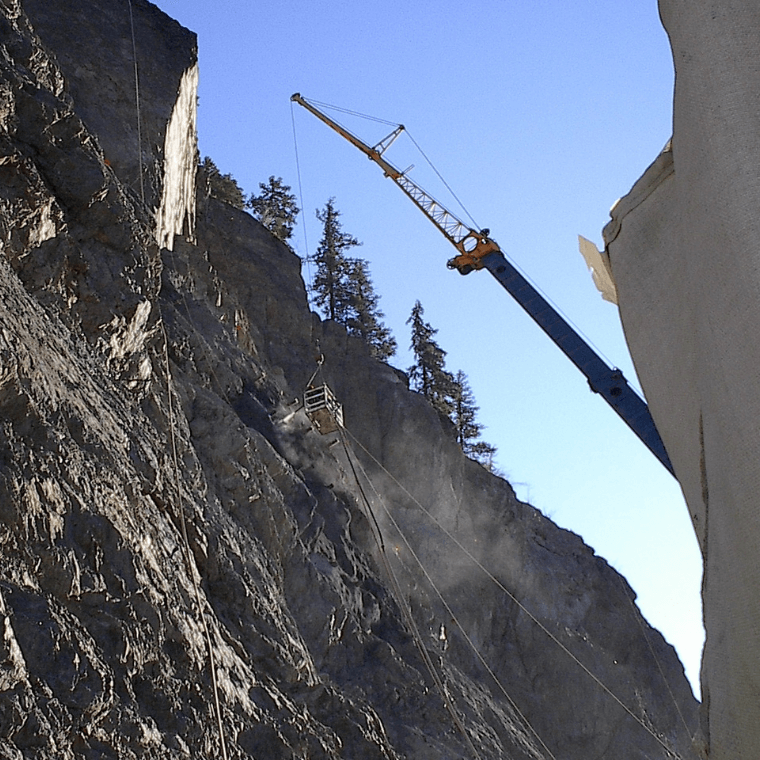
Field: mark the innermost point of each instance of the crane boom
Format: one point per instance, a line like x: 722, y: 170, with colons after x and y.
x: 476, y: 250
x: 470, y: 244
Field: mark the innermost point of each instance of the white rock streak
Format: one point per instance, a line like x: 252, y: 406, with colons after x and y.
x: 177, y: 211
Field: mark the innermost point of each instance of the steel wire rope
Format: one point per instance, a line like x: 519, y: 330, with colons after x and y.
x: 530, y: 615
x: 637, y: 615
x: 439, y: 594
x: 137, y: 103
x: 636, y: 389
x: 353, y: 113
x: 320, y: 362
x: 307, y: 257
x: 180, y: 508
x: 191, y: 567
x: 440, y: 176
x: 405, y: 609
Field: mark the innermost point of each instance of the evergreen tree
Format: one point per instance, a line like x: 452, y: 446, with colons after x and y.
x: 464, y: 411
x: 330, y: 286
x: 428, y: 374
x: 221, y: 186
x: 484, y: 453
x: 364, y: 318
x: 275, y: 207
x: 463, y: 415
x: 450, y: 394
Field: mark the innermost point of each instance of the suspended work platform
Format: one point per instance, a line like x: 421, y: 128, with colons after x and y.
x: 323, y: 409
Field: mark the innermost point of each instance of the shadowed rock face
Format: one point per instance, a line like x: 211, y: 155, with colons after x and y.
x: 172, y: 530
x: 101, y: 77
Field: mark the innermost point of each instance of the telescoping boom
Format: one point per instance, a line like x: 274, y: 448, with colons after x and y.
x: 477, y: 250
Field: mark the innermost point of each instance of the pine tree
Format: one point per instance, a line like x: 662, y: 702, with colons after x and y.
x: 364, y: 318
x: 484, y: 453
x: 330, y: 286
x: 463, y: 415
x: 428, y: 374
x: 275, y: 207
x: 450, y: 394
x: 224, y: 187
x: 464, y: 411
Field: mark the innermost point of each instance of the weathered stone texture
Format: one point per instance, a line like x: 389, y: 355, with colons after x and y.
x: 164, y: 498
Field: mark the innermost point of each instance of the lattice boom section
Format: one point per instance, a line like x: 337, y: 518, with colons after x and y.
x: 454, y: 229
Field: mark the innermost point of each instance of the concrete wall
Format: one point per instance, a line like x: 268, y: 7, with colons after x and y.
x: 684, y: 247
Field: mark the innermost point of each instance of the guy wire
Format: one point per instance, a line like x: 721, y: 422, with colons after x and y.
x: 406, y: 611
x: 522, y: 607
x: 137, y: 103
x: 446, y: 605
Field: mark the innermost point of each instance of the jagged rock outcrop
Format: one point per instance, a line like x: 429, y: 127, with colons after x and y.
x: 185, y: 561
x: 143, y: 146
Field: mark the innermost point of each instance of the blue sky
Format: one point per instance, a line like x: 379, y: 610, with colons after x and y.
x: 539, y: 115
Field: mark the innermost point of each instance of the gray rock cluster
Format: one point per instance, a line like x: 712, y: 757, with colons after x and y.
x: 188, y: 569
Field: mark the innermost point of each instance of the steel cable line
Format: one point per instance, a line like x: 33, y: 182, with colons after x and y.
x: 439, y: 594
x: 191, y: 568
x: 514, y: 599
x: 405, y: 610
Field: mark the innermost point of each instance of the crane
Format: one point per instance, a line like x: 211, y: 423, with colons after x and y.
x: 477, y: 250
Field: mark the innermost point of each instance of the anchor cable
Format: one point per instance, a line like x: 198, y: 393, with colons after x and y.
x: 192, y: 569
x: 519, y: 604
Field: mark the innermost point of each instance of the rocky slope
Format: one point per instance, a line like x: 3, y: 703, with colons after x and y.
x: 188, y: 568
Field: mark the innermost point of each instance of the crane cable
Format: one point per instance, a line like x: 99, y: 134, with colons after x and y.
x: 396, y: 125
x: 440, y: 177
x: 439, y: 594
x: 307, y: 258
x: 353, y: 113
x: 404, y: 606
x: 516, y: 601
x: 191, y: 567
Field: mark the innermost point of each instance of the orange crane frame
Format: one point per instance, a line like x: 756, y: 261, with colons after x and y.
x: 476, y: 250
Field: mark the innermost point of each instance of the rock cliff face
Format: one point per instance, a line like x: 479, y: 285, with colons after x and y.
x: 188, y: 568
